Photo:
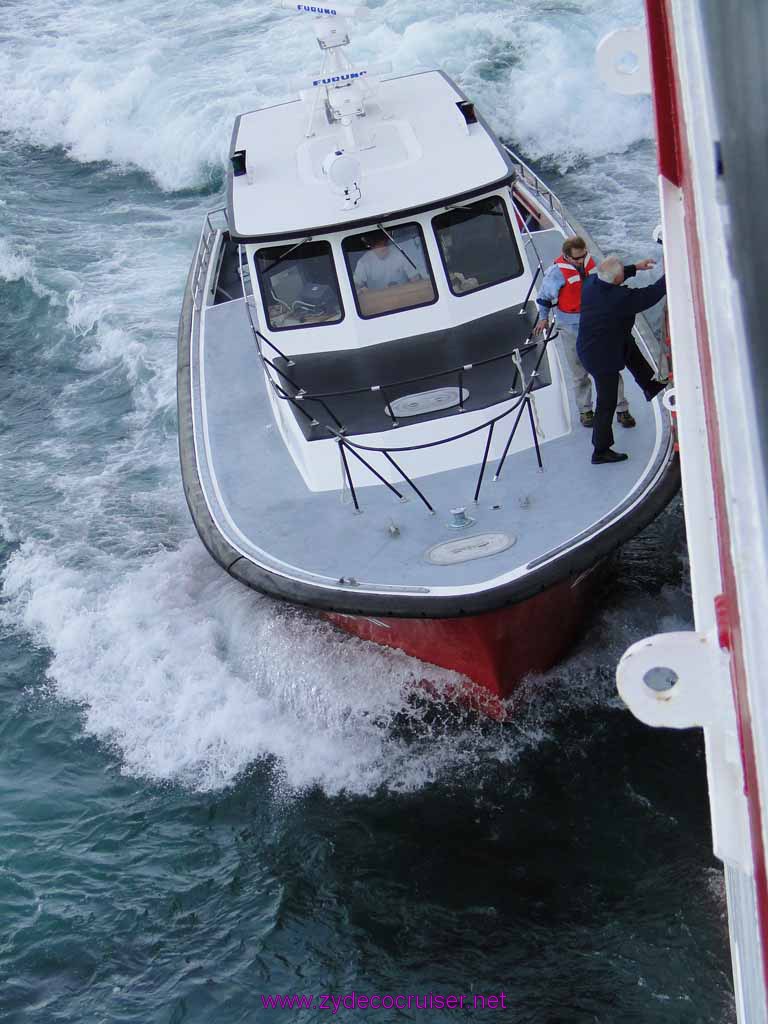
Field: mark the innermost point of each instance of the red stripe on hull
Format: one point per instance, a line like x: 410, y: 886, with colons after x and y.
x: 666, y: 104
x: 494, y: 649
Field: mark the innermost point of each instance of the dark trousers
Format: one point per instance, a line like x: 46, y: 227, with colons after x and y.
x: 607, y: 386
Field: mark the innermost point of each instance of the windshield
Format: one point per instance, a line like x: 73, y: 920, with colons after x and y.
x: 477, y: 245
x: 389, y: 270
x: 299, y: 287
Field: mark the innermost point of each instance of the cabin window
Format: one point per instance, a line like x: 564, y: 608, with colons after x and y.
x: 299, y: 286
x: 389, y: 270
x: 477, y: 245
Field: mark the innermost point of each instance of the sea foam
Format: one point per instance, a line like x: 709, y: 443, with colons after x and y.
x: 113, y: 84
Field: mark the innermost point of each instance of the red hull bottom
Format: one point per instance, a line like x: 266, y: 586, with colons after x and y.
x: 494, y: 649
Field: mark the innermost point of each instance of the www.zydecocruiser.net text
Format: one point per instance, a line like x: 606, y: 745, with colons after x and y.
x: 385, y: 1001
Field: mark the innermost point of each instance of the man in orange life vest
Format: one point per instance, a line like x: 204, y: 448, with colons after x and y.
x: 561, y: 290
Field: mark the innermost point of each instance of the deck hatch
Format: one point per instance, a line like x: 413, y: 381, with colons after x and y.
x: 425, y: 402
x: 467, y: 549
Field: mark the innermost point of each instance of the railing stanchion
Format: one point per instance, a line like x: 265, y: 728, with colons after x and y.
x: 534, y: 279
x: 368, y: 466
x: 461, y: 390
x: 534, y: 433
x: 514, y: 379
x: 408, y: 480
x: 551, y: 333
x: 390, y: 410
x: 348, y: 475
x: 485, y: 461
x: 520, y: 412
x: 335, y: 419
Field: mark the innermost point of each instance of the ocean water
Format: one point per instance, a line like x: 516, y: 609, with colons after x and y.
x: 207, y: 797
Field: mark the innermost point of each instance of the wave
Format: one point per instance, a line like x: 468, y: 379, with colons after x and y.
x: 191, y: 678
x: 107, y: 344
x: 114, y: 85
x: 17, y: 264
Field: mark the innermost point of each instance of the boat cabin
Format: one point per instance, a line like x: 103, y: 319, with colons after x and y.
x: 390, y: 284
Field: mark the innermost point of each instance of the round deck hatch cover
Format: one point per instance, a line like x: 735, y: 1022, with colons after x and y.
x: 466, y: 549
x: 427, y: 401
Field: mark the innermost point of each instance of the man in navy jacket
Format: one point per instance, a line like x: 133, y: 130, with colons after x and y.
x: 605, y: 345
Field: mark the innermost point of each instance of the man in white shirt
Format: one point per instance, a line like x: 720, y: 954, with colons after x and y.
x: 384, y: 266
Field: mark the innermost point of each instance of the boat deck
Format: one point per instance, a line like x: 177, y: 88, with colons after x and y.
x: 264, y: 509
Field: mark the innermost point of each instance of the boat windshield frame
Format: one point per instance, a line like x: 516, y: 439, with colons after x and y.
x: 324, y: 248
x: 503, y: 211
x: 389, y: 231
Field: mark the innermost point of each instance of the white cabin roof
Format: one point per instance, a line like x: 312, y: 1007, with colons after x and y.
x: 424, y: 152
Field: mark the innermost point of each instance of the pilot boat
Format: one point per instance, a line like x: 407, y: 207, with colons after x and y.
x: 368, y: 425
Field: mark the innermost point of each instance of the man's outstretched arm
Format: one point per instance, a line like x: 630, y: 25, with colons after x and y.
x: 638, y: 299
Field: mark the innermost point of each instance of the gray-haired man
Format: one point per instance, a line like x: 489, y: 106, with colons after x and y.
x: 606, y: 346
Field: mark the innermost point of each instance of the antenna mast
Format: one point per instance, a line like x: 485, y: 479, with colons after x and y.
x: 342, y: 86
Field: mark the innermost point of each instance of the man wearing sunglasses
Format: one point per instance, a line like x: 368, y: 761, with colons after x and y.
x: 561, y: 291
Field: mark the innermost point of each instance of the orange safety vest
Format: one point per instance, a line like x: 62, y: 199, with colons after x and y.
x: 569, y: 298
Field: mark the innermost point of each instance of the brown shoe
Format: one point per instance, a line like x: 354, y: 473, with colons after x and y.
x: 587, y: 418
x: 626, y: 419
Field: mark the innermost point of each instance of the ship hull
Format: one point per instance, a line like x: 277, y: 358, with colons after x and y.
x: 495, y: 649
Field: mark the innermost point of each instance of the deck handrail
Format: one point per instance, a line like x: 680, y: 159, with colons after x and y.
x: 203, y: 253
x: 464, y: 367
x: 530, y: 177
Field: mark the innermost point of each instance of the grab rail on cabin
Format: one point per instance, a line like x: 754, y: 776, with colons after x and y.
x: 307, y: 396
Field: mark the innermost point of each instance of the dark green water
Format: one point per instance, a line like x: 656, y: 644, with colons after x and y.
x: 206, y: 798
